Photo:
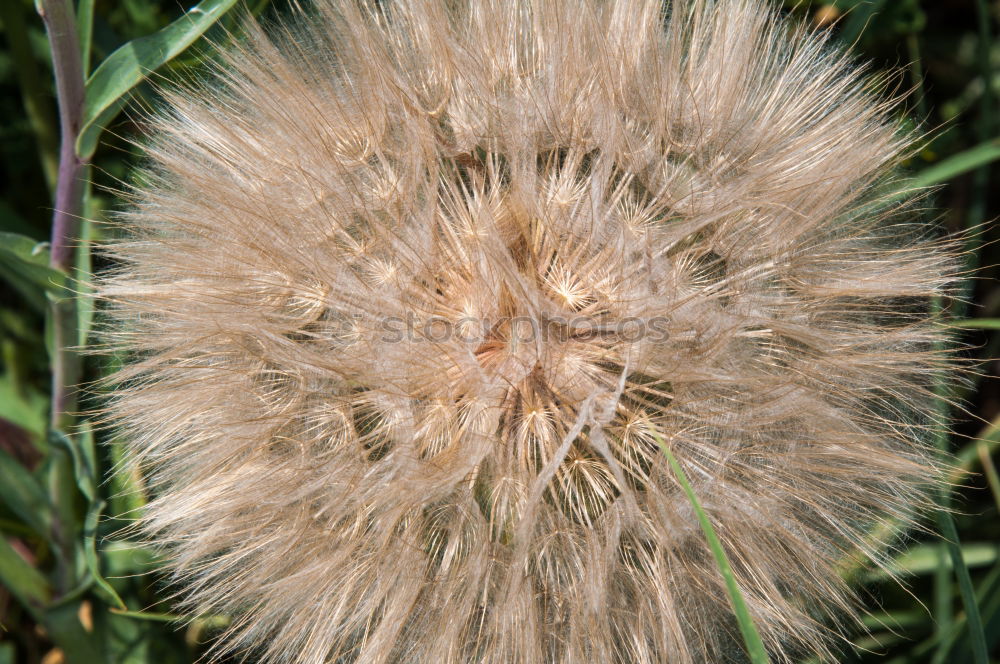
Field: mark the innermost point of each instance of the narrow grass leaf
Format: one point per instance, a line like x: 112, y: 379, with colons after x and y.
x: 923, y: 559
x: 92, y: 558
x: 81, y: 451
x: 23, y: 581
x: 64, y: 627
x: 85, y: 32
x: 24, y: 496
x: 945, y: 647
x: 990, y: 470
x: 976, y: 323
x: 958, y: 164
x: 977, y: 637
x: 751, y: 639
x: 147, y: 615
x: 23, y: 405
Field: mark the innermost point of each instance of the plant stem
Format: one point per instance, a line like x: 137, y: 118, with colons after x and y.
x: 60, y: 23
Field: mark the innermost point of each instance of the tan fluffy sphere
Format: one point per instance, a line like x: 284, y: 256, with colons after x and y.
x: 411, y: 288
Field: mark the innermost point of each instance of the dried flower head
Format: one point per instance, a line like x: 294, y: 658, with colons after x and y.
x: 412, y: 287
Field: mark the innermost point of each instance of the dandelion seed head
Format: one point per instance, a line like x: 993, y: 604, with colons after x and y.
x: 413, y: 290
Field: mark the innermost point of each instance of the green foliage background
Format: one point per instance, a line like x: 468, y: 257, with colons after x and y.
x: 75, y: 587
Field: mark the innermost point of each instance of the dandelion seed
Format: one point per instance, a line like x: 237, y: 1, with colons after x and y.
x: 411, y: 290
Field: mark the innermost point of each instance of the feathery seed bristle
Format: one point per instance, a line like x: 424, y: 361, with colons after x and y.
x: 411, y: 288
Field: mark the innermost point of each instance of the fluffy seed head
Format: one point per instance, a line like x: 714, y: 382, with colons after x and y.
x: 411, y: 288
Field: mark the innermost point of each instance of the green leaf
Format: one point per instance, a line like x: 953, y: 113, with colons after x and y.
x: 148, y: 615
x: 945, y: 170
x: 976, y: 636
x: 91, y: 558
x: 22, y: 405
x: 976, y: 323
x: 62, y: 622
x: 85, y: 31
x: 128, y: 558
x: 956, y: 165
x: 25, y: 496
x: 24, y: 263
x: 923, y: 559
x: 960, y: 649
x: 108, y: 86
x: 751, y: 638
x: 22, y: 580
x: 944, y: 645
x: 81, y: 452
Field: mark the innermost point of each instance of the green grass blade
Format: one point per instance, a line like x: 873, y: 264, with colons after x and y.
x: 946, y: 526
x: 24, y: 496
x: 78, y: 645
x: 85, y: 32
x: 976, y: 323
x: 956, y: 165
x: 23, y: 581
x: 148, y: 615
x: 922, y: 560
x: 977, y: 637
x: 751, y: 638
x: 132, y: 63
x: 989, y: 470
x: 942, y: 608
x: 92, y: 558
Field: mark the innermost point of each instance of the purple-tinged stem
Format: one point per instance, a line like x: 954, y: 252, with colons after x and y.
x: 60, y: 23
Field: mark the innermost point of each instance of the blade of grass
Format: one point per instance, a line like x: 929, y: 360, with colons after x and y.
x: 946, y: 169
x: 989, y: 438
x: 976, y: 323
x: 946, y: 527
x: 22, y: 580
x: 24, y: 496
x: 34, y: 592
x: 973, y: 619
x: 977, y: 209
x: 943, y: 607
x: 989, y: 597
x: 148, y: 615
x: 31, y: 259
x: 923, y: 560
x: 751, y: 638
x: 958, y: 164
x: 85, y: 32
x: 990, y: 470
